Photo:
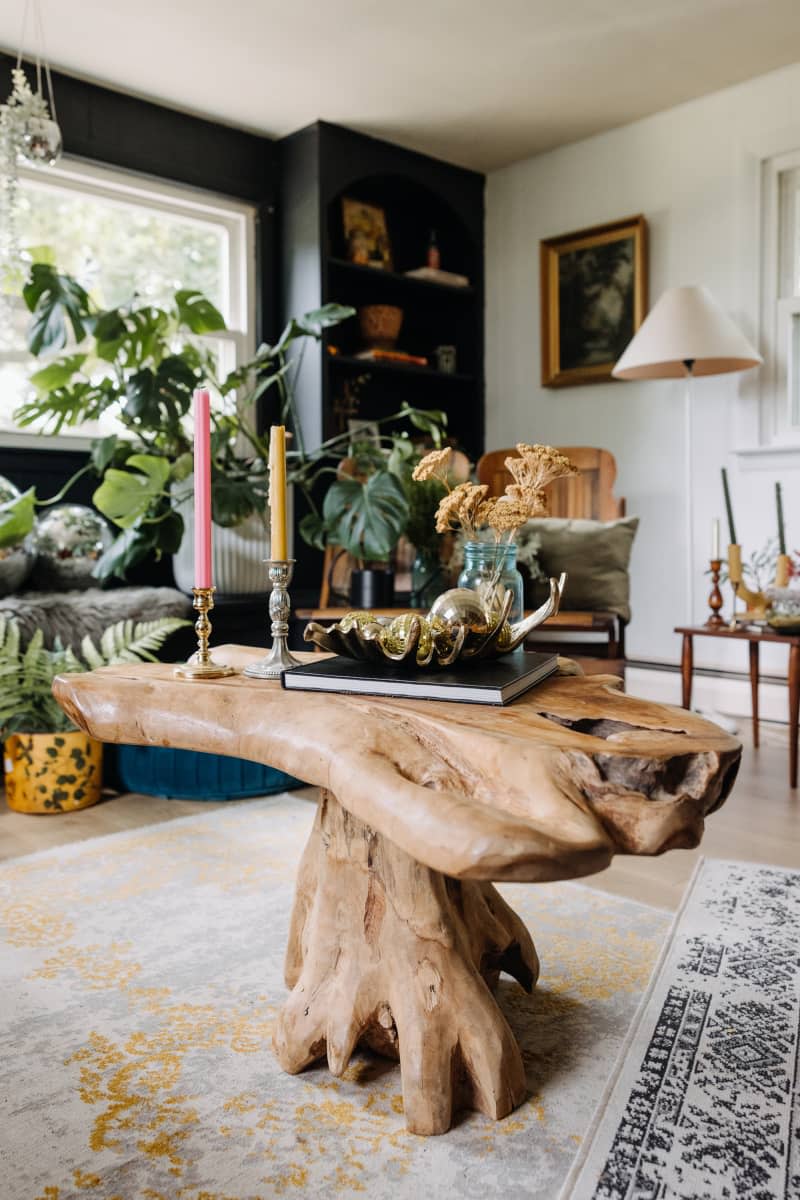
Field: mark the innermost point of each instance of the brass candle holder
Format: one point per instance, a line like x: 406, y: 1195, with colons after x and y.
x: 201, y: 665
x: 280, y: 658
x: 715, y: 598
x: 757, y: 603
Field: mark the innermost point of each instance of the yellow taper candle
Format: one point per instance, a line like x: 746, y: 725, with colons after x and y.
x: 277, y: 493
x: 735, y: 563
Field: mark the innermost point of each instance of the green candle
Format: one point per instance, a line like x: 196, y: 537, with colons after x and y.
x: 781, y: 526
x: 728, y: 507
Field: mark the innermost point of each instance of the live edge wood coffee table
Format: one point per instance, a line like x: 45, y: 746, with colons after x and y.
x: 397, y: 935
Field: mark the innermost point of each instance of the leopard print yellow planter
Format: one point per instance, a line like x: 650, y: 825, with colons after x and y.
x: 52, y: 772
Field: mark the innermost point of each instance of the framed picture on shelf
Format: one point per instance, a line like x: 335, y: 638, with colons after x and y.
x: 593, y: 299
x: 366, y: 235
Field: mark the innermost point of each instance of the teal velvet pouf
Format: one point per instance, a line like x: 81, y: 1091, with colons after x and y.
x: 190, y: 774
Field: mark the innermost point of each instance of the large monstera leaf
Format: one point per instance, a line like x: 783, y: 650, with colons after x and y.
x: 127, y: 496
x: 55, y: 300
x: 159, y: 399
x: 366, y: 518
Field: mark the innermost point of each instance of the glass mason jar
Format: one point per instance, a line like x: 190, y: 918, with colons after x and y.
x: 428, y: 579
x: 489, y: 569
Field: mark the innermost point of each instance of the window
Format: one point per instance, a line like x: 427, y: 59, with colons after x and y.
x: 122, y: 236
x: 781, y: 297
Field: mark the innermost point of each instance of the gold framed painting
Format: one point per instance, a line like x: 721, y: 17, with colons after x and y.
x: 366, y: 235
x: 593, y: 298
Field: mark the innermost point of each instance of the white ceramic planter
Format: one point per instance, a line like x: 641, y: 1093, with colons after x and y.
x: 237, y: 554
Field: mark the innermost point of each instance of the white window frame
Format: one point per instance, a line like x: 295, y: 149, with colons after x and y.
x: 177, y: 200
x: 780, y: 414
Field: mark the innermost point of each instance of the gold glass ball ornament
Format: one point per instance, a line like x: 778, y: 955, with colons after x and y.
x: 461, y: 606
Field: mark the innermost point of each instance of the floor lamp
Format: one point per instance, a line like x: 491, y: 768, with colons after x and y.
x: 686, y: 334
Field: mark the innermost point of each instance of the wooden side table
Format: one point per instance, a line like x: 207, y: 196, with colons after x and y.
x: 754, y: 636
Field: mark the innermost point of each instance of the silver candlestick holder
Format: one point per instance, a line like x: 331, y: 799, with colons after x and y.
x: 280, y: 658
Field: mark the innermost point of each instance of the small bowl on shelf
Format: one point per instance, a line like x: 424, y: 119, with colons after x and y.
x: 380, y: 325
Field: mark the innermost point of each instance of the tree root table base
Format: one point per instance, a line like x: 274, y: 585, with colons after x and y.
x: 384, y: 951
x: 397, y: 936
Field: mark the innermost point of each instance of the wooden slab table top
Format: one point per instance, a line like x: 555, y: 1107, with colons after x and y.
x: 397, y: 935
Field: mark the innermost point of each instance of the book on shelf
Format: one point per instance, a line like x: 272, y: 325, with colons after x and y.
x: 434, y: 275
x: 495, y: 681
x: 393, y: 356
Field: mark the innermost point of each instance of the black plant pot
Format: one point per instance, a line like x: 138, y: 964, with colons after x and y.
x: 372, y: 588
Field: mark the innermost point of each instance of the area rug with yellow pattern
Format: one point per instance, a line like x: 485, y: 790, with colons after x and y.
x: 140, y: 976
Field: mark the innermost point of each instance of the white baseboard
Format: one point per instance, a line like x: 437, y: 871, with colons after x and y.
x: 710, y: 693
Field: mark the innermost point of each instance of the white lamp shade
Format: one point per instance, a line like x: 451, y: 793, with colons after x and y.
x: 686, y: 325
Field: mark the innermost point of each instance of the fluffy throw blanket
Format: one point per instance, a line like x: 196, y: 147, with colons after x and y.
x: 71, y: 615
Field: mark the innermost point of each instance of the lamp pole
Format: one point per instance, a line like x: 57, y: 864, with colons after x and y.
x: 687, y: 447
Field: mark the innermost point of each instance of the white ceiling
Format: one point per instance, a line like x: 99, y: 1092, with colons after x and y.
x: 478, y: 82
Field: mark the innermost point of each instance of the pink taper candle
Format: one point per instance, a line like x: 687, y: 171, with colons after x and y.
x: 202, y: 489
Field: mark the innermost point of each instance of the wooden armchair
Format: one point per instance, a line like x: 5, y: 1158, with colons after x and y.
x: 590, y: 495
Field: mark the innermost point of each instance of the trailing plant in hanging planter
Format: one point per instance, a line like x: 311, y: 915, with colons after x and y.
x: 27, y: 131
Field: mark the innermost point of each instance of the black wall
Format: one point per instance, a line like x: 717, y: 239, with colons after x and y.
x: 111, y: 129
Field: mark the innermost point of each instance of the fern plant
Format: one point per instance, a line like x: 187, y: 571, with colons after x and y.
x: 27, y: 703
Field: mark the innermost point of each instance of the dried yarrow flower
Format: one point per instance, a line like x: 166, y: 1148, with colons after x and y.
x: 433, y: 466
x: 538, y: 465
x: 461, y: 508
x: 534, y: 500
x: 504, y: 515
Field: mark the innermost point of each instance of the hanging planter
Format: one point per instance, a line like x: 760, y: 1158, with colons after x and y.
x: 29, y: 132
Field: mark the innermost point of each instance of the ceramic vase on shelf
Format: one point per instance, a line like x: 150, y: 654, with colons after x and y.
x: 489, y: 569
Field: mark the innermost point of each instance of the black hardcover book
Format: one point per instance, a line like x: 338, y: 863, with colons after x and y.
x: 496, y: 681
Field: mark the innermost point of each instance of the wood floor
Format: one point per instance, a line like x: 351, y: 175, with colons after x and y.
x: 759, y: 823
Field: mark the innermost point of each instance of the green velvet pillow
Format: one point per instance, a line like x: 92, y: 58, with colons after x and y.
x: 595, y: 555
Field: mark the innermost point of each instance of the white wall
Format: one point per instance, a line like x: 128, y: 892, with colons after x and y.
x: 692, y: 172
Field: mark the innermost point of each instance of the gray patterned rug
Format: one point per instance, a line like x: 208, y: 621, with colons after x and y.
x: 705, y: 1104
x: 140, y: 975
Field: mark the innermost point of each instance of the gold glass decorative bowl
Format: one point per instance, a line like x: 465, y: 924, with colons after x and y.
x: 458, y: 628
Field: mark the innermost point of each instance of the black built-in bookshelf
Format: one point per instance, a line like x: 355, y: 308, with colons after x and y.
x: 318, y: 167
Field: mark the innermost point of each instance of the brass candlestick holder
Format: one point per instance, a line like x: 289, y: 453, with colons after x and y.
x: 201, y: 665
x: 280, y: 658
x: 757, y: 603
x: 715, y: 598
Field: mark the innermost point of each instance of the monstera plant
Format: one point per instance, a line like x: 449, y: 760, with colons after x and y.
x: 142, y: 363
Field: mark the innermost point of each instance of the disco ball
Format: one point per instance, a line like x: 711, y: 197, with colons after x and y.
x: 15, y: 561
x: 15, y: 567
x: 68, y: 541
x: 42, y: 143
